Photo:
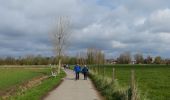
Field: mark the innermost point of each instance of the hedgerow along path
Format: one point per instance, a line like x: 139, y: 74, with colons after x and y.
x: 72, y: 89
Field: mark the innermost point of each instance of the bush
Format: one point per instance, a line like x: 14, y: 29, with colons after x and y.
x: 110, y: 90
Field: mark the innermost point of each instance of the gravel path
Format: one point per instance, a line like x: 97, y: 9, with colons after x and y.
x: 72, y: 89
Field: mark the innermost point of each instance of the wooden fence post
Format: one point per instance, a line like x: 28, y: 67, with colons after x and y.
x: 113, y: 75
x: 103, y: 71
x: 95, y: 70
x: 132, y: 78
x: 133, y: 86
x: 98, y: 69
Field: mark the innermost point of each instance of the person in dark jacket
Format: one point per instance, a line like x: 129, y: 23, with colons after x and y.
x: 85, y: 72
x: 77, y: 70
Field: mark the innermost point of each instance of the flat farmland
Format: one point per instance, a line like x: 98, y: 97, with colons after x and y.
x: 153, y: 81
x: 14, y: 75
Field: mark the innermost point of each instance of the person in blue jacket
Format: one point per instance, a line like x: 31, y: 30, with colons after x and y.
x: 85, y: 72
x: 77, y: 70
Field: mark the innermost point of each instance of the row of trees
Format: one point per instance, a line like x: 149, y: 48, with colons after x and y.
x: 91, y: 56
x: 36, y: 60
x: 126, y: 58
x: 95, y: 56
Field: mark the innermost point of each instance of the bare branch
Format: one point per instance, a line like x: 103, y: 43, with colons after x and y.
x: 60, y: 35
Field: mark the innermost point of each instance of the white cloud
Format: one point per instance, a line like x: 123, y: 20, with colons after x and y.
x: 160, y: 16
x: 117, y: 44
x: 158, y: 21
x: 139, y: 21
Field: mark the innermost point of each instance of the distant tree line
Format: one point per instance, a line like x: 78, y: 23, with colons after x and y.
x: 95, y: 56
x: 35, y: 60
x: 126, y: 58
x: 91, y: 56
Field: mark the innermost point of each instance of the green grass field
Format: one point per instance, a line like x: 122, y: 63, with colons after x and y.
x: 13, y: 76
x: 10, y: 76
x: 152, y: 80
x: 39, y: 91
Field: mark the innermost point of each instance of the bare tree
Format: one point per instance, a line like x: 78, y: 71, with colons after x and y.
x: 81, y: 58
x: 124, y: 58
x: 95, y: 56
x: 148, y: 60
x: 167, y: 61
x: 90, y: 56
x: 60, y: 35
x: 139, y: 58
x: 158, y: 60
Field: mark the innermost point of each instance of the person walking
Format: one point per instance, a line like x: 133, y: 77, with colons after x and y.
x: 77, y: 70
x: 64, y: 66
x: 85, y: 72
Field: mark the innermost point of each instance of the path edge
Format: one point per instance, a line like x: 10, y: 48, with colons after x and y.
x: 97, y: 91
x: 55, y: 87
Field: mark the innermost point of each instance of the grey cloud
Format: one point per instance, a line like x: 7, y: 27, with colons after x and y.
x: 107, y: 25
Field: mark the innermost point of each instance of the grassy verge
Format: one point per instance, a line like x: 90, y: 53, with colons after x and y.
x: 110, y: 90
x: 36, y: 93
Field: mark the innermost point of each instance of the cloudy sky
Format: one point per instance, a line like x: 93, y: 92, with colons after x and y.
x: 114, y: 26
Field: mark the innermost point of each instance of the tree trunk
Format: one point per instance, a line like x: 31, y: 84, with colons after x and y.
x: 59, y: 66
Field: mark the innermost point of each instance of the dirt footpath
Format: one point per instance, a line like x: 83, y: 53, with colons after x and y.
x: 72, y: 89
